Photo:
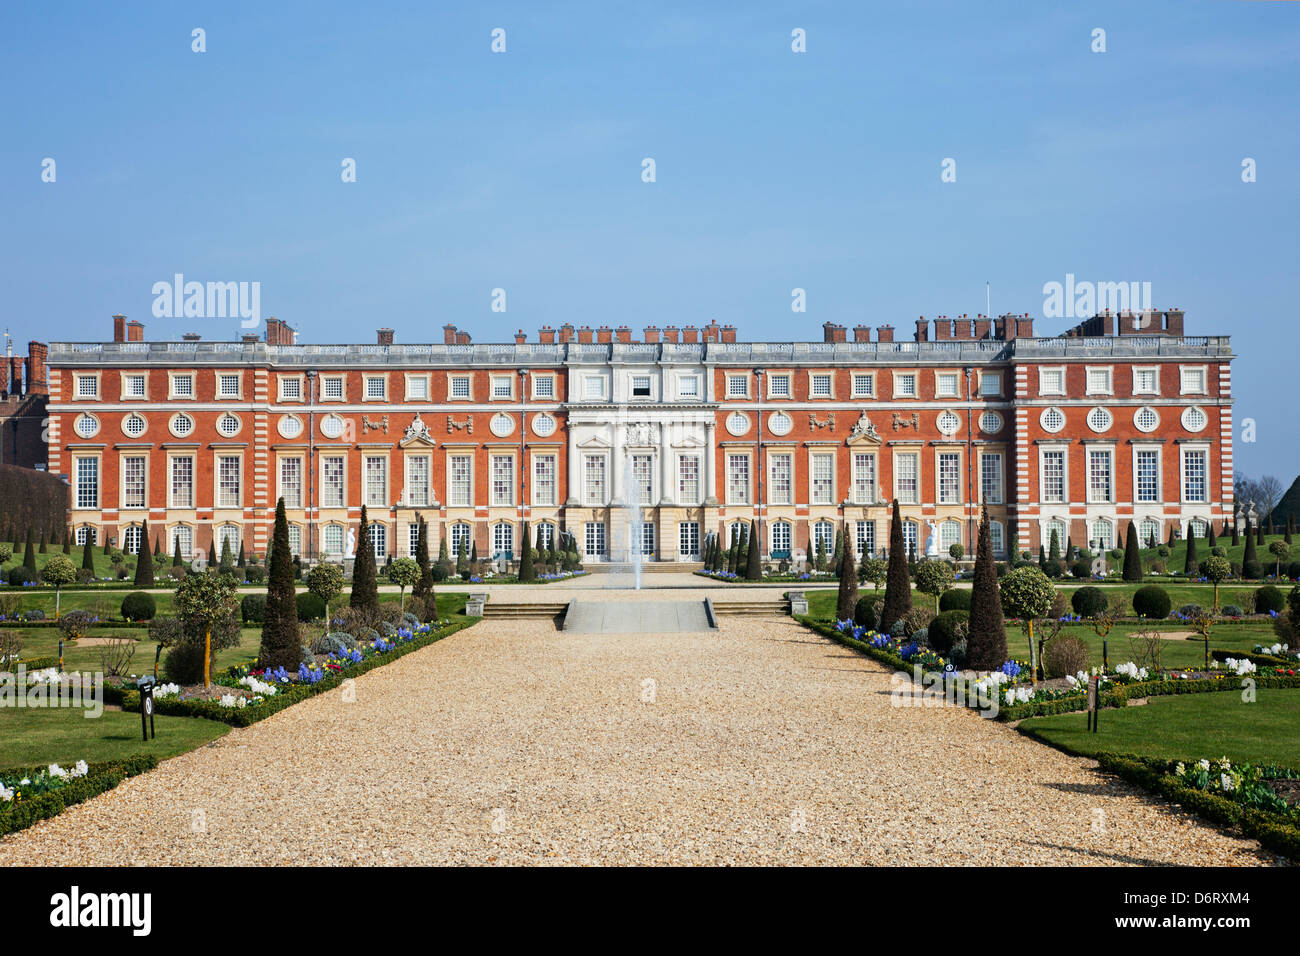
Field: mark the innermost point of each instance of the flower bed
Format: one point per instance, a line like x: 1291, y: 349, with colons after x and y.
x: 38, y: 793
x: 245, y: 702
x: 1250, y: 798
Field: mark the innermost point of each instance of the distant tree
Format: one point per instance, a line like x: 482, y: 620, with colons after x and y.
x: 462, y: 560
x: 242, y: 562
x: 29, y: 554
x: 176, y: 554
x: 144, y: 560
x: 898, y: 585
x: 281, y: 645
x: 59, y: 570
x: 753, y: 557
x: 956, y: 551
x: 527, y: 571
x: 1132, y: 556
x: 425, y: 583
x: 87, y: 554
x: 1191, y: 566
x: 934, y: 578
x: 227, y: 563
x: 326, y: 582
x: 45, y: 548
x: 1250, y: 566
x: 1028, y: 594
x: 847, y: 598
x: 203, y: 600
x: 365, y: 586
x: 1281, y: 551
x: 404, y: 572
x: 873, y: 571
x: 1217, y: 570
x: 212, y: 552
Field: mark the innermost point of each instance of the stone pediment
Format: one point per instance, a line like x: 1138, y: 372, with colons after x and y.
x: 595, y: 441
x: 863, y: 433
x: 417, y: 433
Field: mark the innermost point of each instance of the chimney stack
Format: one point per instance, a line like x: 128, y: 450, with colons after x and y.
x: 983, y: 327
x: 671, y: 333
x: 191, y: 337
x: 135, y: 331
x: 37, y: 383
x: 384, y: 336
x: 278, y: 332
x: 566, y: 333
x: 942, y: 329
x: 651, y: 334
x: 449, y: 334
x: 922, y: 330
x: 119, y: 328
x: 884, y: 333
x: 584, y: 335
x: 691, y: 335
x: 520, y: 337
x: 861, y: 333
x: 546, y: 335
x: 728, y: 333
x: 1025, y: 327
x: 604, y: 335
x: 249, y: 338
x: 1174, y: 322
x: 462, y: 338
x: 623, y: 334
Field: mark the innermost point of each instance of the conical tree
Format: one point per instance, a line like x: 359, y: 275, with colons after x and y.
x: 1191, y: 565
x: 1069, y: 550
x: 837, y: 553
x: 527, y: 571
x: 986, y: 646
x: 846, y: 602
x: 1290, y: 527
x: 1042, y: 559
x: 29, y: 555
x: 462, y: 559
x: 227, y: 561
x: 1236, y: 535
x: 365, y: 586
x: 280, y: 641
x: 733, y: 553
x: 898, y: 585
x: 157, y: 544
x: 212, y: 551
x: 242, y: 562
x: 1054, y: 550
x: 176, y: 553
x: 45, y: 549
x: 753, y: 562
x: 144, y: 560
x: 1132, y: 556
x: 1259, y: 533
x: 67, y: 543
x: 1210, y: 539
x: 88, y: 554
x: 425, y: 584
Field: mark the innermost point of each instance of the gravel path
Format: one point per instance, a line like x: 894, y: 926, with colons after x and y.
x: 513, y: 743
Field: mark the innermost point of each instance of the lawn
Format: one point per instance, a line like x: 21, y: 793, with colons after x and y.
x: 1188, y: 728
x: 65, y: 735
x: 42, y: 642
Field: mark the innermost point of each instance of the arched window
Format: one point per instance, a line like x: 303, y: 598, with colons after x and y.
x: 949, y: 534
x: 1150, y: 532
x: 1103, y: 534
x: 183, y: 537
x: 503, y: 540
x: 824, y: 534
x: 460, y: 538
x: 1058, y: 527
x: 295, y: 540
x: 331, y: 539
x: 378, y: 540
x: 1200, y: 527
x: 545, y: 535
x: 86, y: 533
x: 131, y: 539
x: 780, y: 540
x: 228, y: 534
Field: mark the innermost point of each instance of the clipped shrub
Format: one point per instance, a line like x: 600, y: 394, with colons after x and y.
x: 958, y: 599
x: 35, y: 614
x: 916, y: 619
x: 1065, y: 654
x: 252, y: 609
x: 19, y: 575
x: 957, y: 655
x: 948, y: 629
x: 864, y: 614
x: 335, y: 642
x: 1152, y: 602
x: 1190, y: 610
x: 139, y: 606
x: 310, y: 607
x: 1231, y: 610
x: 255, y: 573
x: 85, y: 575
x: 76, y: 624
x: 1088, y: 601
x: 1082, y: 569
x: 1269, y: 598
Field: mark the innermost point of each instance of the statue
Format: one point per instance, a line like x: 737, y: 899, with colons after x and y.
x: 932, y: 540
x: 352, y: 543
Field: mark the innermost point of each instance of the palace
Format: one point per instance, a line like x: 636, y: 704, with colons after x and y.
x: 692, y: 432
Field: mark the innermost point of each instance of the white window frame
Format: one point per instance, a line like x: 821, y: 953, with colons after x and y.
x: 280, y: 480
x: 860, y: 482
x: 291, y: 388
x: 733, y: 381
x: 863, y: 384
x: 173, y: 394
x: 815, y: 382
x: 342, y: 499
x: 496, y: 391
x: 460, y: 488
x: 372, y: 498
x: 1155, y: 372
x: 546, y: 474
x: 87, y: 499
x: 907, y: 385
x: 1107, y: 388
x: 1202, y: 370
x: 595, y: 480
x: 1043, y: 388
x: 940, y: 380
x: 548, y: 394
x: 80, y: 380
x: 821, y: 489
x: 367, y: 381
x: 1064, y: 451
x: 787, y: 391
x: 1138, y: 451
x: 734, y: 458
x: 416, y: 383
x: 501, y: 484
x: 172, y: 500
x: 1089, y: 451
x: 127, y: 394
x: 690, y: 489
x: 329, y: 380
x: 985, y: 497
x: 954, y: 498
x: 1184, y: 453
x: 914, y: 460
x: 418, y: 491
x: 783, y: 460
x: 454, y: 384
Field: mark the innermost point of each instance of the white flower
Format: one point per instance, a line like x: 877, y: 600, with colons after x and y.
x: 1180, y: 769
x: 1223, y: 764
x: 1225, y: 781
x: 257, y: 686
x: 80, y: 770
x: 1240, y: 667
x: 1202, y: 765
x: 56, y: 771
x: 6, y: 793
x: 227, y: 700
x: 1132, y: 671
x: 166, y: 690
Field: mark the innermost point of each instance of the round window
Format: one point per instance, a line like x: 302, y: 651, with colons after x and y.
x: 289, y: 426
x: 779, y: 424
x: 133, y: 425
x: 1100, y: 420
x: 990, y: 423
x: 1146, y: 419
x: 86, y: 426
x: 182, y: 425
x: 948, y: 422
x: 228, y: 425
x: 332, y: 426
x: 1052, y: 420
x: 1194, y: 419
x: 501, y: 424
x: 737, y: 423
x: 543, y: 426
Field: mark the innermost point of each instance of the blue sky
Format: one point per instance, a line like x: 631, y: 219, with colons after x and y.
x: 775, y: 170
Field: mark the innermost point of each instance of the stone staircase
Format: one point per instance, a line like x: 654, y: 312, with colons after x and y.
x: 753, y: 607
x: 650, y: 567
x: 523, y: 611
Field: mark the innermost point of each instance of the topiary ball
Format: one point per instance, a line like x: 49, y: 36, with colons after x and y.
x: 1269, y: 598
x: 1151, y: 602
x: 957, y: 599
x: 1088, y: 601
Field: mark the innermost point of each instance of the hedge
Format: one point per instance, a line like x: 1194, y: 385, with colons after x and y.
x: 1259, y: 660
x: 285, y: 695
x: 99, y: 778
x: 1150, y: 773
x: 40, y: 663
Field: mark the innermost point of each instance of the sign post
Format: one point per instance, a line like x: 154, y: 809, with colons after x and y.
x: 145, y: 686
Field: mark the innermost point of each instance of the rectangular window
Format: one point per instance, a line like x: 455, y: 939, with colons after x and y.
x: 688, y: 539
x: 1145, y: 381
x: 376, y: 387
x: 594, y: 537
x: 593, y: 386
x: 640, y: 386
x: 290, y: 389
x: 821, y: 386
x: 87, y: 386
x: 864, y: 385
x: 688, y: 386
x: 1099, y: 381
x: 643, y: 479
x: 227, y: 386
x: 378, y: 539
x: 866, y: 538
x: 907, y: 478
x: 460, y: 480
x: 417, y: 481
x: 738, y: 479
x: 688, y: 479
x: 417, y: 388
x: 503, y: 386
x: 182, y: 386
x: 412, y: 539
x: 782, y: 479
x: 543, y: 386
x: 460, y: 540
x: 823, y: 479
x: 87, y: 482
x: 991, y: 479
x: 1148, y: 476
x: 332, y: 389
x: 503, y: 480
x: 945, y: 385
x: 460, y: 386
x: 949, y: 478
x: 332, y: 539
x: 864, y: 478
x: 544, y: 487
x: 737, y: 386
x: 781, y: 539
x: 779, y: 386
x: 1100, y: 475
x: 990, y: 384
x: 648, y: 539
x: 331, y: 482
x: 228, y: 481
x: 1051, y: 381
x: 1054, y: 477
x: 1193, y: 381
x: 593, y: 480
x: 376, y: 481
x: 1194, y: 478
x: 905, y: 385
x: 133, y: 386
x: 133, y: 482
x: 182, y: 482
x: 291, y: 482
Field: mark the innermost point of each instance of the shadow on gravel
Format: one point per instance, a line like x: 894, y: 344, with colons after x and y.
x: 1100, y: 854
